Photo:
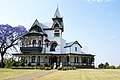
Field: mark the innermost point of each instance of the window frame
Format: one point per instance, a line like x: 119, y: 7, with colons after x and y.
x: 56, y: 34
x: 76, y: 49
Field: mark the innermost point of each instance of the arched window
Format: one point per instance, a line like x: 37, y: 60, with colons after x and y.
x: 53, y: 46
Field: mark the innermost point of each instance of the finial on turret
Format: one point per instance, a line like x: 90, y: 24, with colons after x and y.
x: 57, y: 13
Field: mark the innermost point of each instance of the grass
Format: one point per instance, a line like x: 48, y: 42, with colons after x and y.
x: 11, y: 73
x: 83, y: 74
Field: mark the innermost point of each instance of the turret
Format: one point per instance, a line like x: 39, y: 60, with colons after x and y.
x: 58, y: 21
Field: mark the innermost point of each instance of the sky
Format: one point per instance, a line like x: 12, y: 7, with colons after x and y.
x: 95, y: 24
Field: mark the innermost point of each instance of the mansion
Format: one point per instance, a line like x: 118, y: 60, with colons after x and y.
x: 44, y: 45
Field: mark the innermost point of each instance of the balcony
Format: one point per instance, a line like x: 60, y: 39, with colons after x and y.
x: 31, y: 49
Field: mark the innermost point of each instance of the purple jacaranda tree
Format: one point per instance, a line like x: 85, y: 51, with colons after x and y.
x: 9, y: 37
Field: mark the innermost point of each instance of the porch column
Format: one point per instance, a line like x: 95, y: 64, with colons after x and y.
x: 30, y: 59
x: 68, y: 61
x: 80, y: 60
x: 64, y: 60
x: 88, y: 60
x: 36, y: 59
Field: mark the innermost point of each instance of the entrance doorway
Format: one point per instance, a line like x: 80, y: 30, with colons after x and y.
x: 53, y: 60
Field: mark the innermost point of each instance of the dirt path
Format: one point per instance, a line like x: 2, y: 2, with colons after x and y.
x: 32, y: 76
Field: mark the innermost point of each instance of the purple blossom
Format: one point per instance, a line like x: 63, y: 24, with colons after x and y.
x: 8, y: 34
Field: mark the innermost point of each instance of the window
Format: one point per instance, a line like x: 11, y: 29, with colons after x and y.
x: 56, y: 34
x: 33, y: 59
x: 75, y: 48
x: 56, y: 30
x: 53, y: 46
x: 34, y: 43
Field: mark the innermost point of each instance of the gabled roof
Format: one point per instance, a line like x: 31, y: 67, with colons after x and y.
x: 36, y: 23
x: 37, y: 28
x: 56, y: 22
x: 71, y: 43
x: 57, y: 13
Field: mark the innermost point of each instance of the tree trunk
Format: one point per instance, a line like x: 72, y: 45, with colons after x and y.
x: 2, y: 63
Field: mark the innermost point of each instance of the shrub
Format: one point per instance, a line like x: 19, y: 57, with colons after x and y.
x: 59, y: 68
x: 9, y: 62
x: 111, y: 67
x: 74, y: 68
x: 70, y: 68
x: 22, y: 64
x: 47, y: 68
x: 101, y: 65
x: 65, y: 68
x: 41, y: 67
x: 118, y: 67
x: 29, y: 64
x: 38, y: 64
x: 46, y: 65
x: 15, y: 64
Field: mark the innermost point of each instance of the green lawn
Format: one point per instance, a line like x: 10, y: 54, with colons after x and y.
x: 11, y: 73
x: 83, y: 74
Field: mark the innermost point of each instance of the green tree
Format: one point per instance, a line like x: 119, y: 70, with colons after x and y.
x: 101, y: 65
x: 106, y: 64
x: 9, y: 38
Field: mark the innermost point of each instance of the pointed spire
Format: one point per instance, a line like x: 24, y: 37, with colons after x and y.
x: 57, y: 13
x: 36, y: 23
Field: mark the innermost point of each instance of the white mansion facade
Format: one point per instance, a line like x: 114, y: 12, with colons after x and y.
x: 44, y: 45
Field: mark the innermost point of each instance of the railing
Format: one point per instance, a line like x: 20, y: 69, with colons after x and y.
x: 31, y: 45
x: 31, y: 49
